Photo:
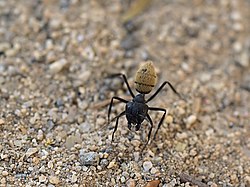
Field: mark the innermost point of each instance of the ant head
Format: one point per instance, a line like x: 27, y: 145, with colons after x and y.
x: 145, y: 78
x: 134, y: 127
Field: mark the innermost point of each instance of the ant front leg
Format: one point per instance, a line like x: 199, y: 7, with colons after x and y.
x: 116, y: 124
x: 126, y: 82
x: 162, y: 118
x: 160, y: 88
x: 111, y: 104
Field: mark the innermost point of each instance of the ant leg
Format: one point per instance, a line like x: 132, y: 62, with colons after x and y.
x: 160, y: 88
x: 125, y: 80
x: 162, y: 118
x: 116, y: 124
x: 111, y: 104
x: 150, y: 130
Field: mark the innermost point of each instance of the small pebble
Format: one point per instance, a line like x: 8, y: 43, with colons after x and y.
x: 213, y: 185
x: 180, y: 147
x: 234, y: 178
x: 190, y: 120
x: 136, y: 156
x: 104, y: 162
x: 72, y: 140
x: 111, y: 164
x: 54, y: 180
x: 84, y: 168
x: 42, y: 178
x: 89, y: 158
x: 42, y: 169
x: 100, y: 121
x: 50, y: 165
x: 211, y: 175
x: 130, y: 183
x: 236, y: 16
x: 153, y: 183
x: 182, y: 136
x: 85, y: 127
x: 123, y: 179
x: 17, y: 143
x: 247, y: 180
x: 84, y: 76
x: 1, y: 121
x: 244, y: 59
x: 30, y: 152
x: 209, y: 132
x: 40, y: 135
x: 237, y: 46
x: 153, y: 170
x: 169, y: 119
x: 147, y: 165
x: 74, y: 178
x: 135, y: 143
x: 57, y: 66
x: 5, y: 173
x: 193, y: 152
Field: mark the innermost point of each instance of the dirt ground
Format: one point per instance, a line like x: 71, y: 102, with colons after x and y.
x: 55, y: 60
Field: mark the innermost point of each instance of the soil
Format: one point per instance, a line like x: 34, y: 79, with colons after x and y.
x: 56, y: 58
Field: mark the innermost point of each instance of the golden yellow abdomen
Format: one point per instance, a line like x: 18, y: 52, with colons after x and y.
x: 145, y: 78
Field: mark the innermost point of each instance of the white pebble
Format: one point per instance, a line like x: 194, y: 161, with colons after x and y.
x: 42, y: 178
x: 123, y: 179
x: 193, y: 152
x: 74, y: 178
x: 191, y: 120
x: 5, y: 173
x: 153, y: 170
x: 147, y: 165
x: 50, y: 164
x: 57, y: 66
x: 30, y: 152
x: 84, y: 76
x: 42, y: 169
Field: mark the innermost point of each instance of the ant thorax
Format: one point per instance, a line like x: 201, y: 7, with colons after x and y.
x: 136, y: 112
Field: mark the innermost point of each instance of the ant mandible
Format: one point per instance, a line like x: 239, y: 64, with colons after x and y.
x: 136, y: 111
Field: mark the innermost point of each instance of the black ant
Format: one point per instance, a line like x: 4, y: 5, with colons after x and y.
x: 136, y: 111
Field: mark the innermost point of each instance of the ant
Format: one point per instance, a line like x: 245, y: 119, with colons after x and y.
x: 136, y: 111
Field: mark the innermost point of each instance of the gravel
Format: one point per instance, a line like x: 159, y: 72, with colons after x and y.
x: 55, y: 62
x: 89, y: 158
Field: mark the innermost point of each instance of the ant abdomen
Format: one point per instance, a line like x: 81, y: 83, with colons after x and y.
x: 145, y: 78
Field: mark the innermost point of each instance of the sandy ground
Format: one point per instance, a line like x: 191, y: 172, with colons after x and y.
x: 55, y: 57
